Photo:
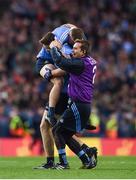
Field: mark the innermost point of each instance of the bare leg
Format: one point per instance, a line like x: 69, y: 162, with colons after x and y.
x: 55, y: 91
x: 47, y: 138
x: 53, y: 99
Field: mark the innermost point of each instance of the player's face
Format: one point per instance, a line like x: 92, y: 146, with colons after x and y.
x: 77, y: 52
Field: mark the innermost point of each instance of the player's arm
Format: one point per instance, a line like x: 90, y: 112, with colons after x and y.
x: 74, y: 66
x: 40, y: 62
x: 55, y: 43
x: 70, y: 65
x: 48, y: 73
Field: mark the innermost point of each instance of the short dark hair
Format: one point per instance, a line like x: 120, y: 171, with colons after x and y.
x: 84, y: 45
x: 47, y: 38
x: 77, y: 33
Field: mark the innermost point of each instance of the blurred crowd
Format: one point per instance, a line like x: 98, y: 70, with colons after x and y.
x: 110, y: 27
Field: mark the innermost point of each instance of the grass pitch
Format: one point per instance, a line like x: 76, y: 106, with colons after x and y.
x: 108, y: 167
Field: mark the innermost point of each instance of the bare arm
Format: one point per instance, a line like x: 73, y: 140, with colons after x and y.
x: 55, y: 43
x: 58, y: 72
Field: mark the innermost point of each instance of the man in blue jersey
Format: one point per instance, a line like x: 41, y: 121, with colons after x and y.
x: 43, y: 58
x: 82, y: 71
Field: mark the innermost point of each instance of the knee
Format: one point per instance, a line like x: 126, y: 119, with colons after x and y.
x: 58, y: 82
x: 44, y: 126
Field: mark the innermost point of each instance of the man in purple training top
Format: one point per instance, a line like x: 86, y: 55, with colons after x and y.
x: 82, y: 71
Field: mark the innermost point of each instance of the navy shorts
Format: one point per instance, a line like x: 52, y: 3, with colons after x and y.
x: 76, y: 116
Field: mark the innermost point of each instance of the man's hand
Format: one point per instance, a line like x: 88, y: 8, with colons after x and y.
x: 48, y: 74
x: 55, y: 43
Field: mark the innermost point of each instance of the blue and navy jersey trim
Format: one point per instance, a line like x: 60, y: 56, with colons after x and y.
x: 61, y: 33
x: 77, y: 117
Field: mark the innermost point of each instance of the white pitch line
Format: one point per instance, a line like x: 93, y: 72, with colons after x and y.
x: 115, y: 162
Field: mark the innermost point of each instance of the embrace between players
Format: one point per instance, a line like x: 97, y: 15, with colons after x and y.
x: 64, y: 61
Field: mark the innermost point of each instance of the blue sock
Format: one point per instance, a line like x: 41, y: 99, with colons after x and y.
x: 83, y: 156
x: 62, y: 156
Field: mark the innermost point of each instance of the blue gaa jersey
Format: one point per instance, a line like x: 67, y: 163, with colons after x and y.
x: 66, y: 49
x: 45, y: 55
x: 62, y: 32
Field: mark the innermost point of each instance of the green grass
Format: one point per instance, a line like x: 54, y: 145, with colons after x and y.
x: 108, y: 167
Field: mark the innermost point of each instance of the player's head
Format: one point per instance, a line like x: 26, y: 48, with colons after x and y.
x: 80, y: 48
x: 76, y: 33
x: 47, y: 39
